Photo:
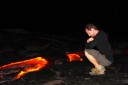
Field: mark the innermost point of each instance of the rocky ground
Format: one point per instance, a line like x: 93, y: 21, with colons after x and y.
x: 18, y: 44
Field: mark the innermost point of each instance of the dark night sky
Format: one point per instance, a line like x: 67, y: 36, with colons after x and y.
x: 65, y: 16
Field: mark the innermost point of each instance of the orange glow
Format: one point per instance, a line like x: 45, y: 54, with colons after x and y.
x: 74, y: 57
x: 27, y: 66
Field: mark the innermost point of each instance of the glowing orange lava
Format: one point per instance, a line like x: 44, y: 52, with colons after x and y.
x: 74, y: 57
x: 27, y: 66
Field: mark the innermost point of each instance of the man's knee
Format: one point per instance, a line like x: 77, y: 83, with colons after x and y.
x: 90, y: 52
x: 85, y: 51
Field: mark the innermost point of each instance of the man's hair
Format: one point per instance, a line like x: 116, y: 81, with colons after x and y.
x: 90, y: 25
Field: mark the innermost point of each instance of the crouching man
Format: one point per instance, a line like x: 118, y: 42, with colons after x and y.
x: 98, y: 49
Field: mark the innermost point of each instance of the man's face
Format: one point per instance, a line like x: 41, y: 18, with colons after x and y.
x: 90, y: 33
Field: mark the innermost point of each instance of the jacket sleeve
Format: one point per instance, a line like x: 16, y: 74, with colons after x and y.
x: 91, y: 44
x: 96, y: 40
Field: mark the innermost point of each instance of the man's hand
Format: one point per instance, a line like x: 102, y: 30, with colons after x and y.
x: 90, y: 39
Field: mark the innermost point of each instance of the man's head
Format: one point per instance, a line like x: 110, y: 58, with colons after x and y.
x: 91, y: 30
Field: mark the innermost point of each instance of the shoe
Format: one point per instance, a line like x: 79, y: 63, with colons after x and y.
x: 98, y: 71
x: 94, y: 70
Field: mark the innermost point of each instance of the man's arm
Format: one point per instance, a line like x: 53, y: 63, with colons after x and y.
x: 90, y: 39
x: 90, y: 43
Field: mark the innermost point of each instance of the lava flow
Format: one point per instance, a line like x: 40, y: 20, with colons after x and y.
x: 25, y: 66
x: 74, y: 56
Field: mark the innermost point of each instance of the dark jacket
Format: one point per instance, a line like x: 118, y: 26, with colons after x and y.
x: 102, y: 44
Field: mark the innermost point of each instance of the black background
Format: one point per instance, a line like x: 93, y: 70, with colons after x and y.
x: 66, y: 16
